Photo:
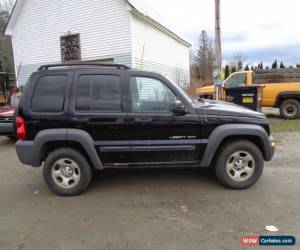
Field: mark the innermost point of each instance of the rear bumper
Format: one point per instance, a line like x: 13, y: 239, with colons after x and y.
x: 26, y: 153
x: 6, y: 129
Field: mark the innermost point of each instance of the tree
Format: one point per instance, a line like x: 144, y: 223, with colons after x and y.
x: 238, y: 60
x: 247, y: 68
x: 233, y: 70
x: 227, y: 73
x: 267, y: 68
x: 261, y: 65
x: 298, y: 65
x: 282, y: 65
x: 205, y: 56
x: 6, y: 58
x: 274, y: 65
x: 252, y: 67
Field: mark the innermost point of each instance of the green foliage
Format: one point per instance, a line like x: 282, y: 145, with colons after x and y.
x: 282, y: 66
x: 274, y: 65
x: 247, y: 68
x: 233, y: 70
x: 227, y: 73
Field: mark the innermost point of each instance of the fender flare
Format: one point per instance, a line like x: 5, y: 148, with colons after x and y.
x: 69, y: 135
x: 224, y: 131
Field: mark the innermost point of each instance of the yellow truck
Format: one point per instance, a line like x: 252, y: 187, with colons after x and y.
x: 281, y: 88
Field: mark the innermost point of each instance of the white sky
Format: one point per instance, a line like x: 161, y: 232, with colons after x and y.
x: 263, y: 30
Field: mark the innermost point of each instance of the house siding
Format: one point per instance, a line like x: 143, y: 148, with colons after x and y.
x: 104, y: 27
x: 156, y: 51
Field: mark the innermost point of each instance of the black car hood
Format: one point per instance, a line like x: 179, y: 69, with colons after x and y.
x: 217, y: 108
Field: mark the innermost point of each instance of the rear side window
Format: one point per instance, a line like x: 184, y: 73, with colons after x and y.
x: 98, y: 93
x: 49, y: 94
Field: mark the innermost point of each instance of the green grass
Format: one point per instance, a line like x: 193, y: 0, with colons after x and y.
x: 280, y: 125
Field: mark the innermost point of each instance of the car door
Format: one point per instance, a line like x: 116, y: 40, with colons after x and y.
x: 157, y: 134
x: 98, y: 108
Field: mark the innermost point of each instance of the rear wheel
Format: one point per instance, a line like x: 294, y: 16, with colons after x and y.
x: 290, y: 109
x: 239, y: 164
x: 67, y: 172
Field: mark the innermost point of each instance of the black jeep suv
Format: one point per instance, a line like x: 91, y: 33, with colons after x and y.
x: 75, y: 118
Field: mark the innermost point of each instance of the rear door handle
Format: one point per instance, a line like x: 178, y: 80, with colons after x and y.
x: 81, y: 120
x: 143, y: 120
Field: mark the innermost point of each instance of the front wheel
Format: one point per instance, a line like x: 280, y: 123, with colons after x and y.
x: 290, y: 109
x: 67, y: 172
x: 239, y: 164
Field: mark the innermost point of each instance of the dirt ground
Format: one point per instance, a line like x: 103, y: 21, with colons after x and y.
x: 148, y: 209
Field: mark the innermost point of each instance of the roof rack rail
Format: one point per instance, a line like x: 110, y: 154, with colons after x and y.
x: 118, y: 66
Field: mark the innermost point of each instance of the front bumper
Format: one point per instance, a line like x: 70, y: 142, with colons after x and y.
x: 6, y: 129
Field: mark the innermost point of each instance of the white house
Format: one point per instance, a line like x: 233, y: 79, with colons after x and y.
x: 112, y: 31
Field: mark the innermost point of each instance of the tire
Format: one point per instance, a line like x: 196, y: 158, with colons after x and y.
x: 67, y: 172
x: 232, y: 174
x: 290, y: 109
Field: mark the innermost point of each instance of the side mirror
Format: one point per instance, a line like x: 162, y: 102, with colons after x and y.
x: 178, y: 108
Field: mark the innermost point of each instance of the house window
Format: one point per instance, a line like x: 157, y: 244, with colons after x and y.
x: 70, y: 48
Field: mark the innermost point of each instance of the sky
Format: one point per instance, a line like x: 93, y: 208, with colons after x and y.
x: 262, y: 30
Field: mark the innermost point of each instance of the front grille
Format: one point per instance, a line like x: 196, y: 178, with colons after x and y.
x: 6, y: 119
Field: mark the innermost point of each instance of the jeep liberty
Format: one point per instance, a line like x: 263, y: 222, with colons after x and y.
x: 73, y: 119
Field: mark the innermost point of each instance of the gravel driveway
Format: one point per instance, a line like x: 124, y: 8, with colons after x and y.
x: 148, y: 209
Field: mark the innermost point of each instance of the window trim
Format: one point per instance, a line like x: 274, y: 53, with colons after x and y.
x: 65, y: 104
x: 131, y: 97
x: 90, y: 112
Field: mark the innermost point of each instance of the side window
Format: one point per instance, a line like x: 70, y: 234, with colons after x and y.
x: 98, y: 93
x: 150, y: 95
x: 237, y: 80
x: 49, y: 94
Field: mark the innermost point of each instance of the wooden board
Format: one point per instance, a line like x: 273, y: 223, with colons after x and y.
x: 277, y: 75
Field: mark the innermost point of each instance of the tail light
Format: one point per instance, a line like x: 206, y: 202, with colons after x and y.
x: 21, y: 128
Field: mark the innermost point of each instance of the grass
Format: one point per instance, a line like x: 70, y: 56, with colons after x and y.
x: 279, y: 125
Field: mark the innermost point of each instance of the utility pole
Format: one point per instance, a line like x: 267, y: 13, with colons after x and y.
x: 218, y: 52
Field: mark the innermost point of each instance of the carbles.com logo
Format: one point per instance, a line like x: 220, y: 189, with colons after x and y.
x: 251, y: 241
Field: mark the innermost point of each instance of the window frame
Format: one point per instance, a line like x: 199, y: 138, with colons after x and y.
x: 149, y: 77
x: 110, y: 72
x: 66, y: 96
x: 99, y: 111
x: 235, y: 75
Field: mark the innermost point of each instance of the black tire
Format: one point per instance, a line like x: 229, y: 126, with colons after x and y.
x: 82, y: 164
x: 223, y: 157
x: 290, y: 109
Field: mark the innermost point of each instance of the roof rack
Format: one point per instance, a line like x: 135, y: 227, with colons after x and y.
x: 118, y: 66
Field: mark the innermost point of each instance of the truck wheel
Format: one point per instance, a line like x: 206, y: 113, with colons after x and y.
x: 67, y: 172
x: 290, y: 109
x: 239, y: 164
